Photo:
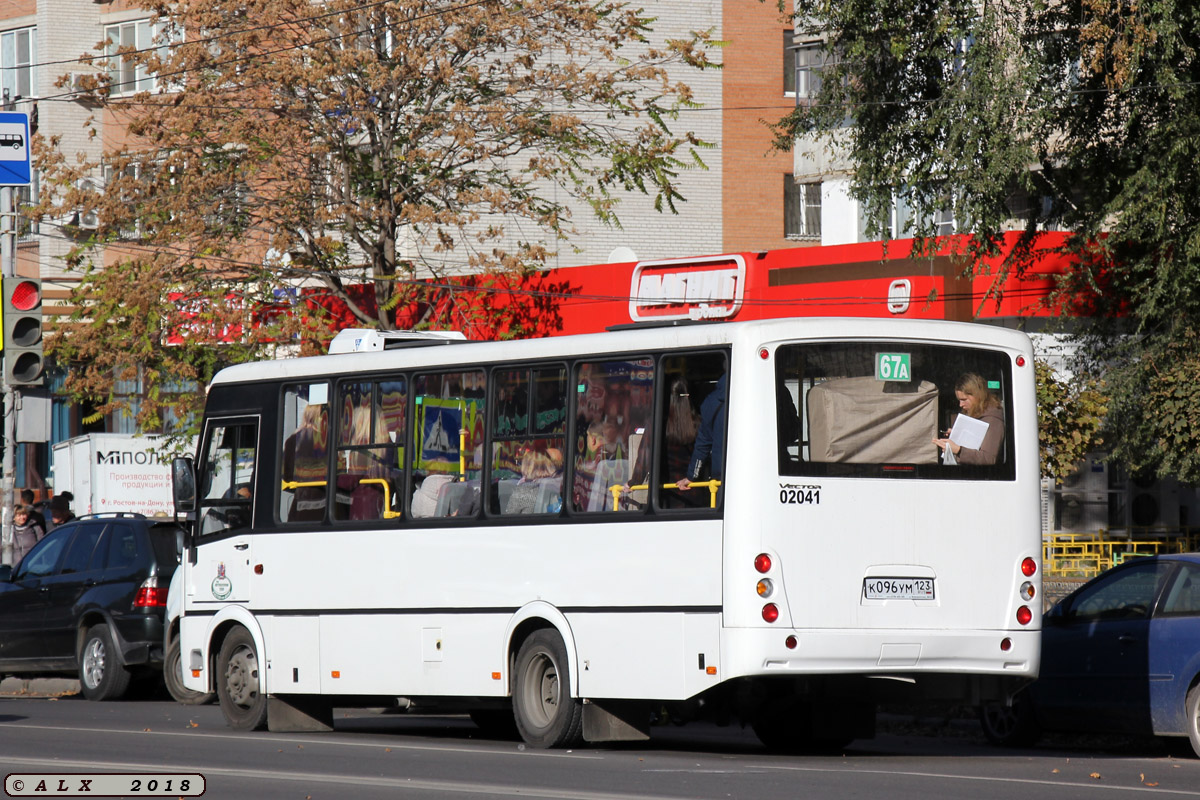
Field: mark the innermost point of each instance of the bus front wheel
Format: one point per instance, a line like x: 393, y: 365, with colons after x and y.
x: 244, y: 706
x: 545, y: 713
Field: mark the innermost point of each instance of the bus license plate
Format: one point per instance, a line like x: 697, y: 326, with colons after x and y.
x: 898, y: 588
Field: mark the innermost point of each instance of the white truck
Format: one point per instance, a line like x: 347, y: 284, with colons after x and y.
x: 114, y: 472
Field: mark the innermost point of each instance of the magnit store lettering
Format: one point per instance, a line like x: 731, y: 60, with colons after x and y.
x: 138, y: 458
x: 694, y: 288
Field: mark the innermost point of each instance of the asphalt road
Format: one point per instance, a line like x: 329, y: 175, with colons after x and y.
x: 376, y: 755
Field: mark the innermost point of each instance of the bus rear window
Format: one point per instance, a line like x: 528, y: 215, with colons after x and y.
x: 875, y: 409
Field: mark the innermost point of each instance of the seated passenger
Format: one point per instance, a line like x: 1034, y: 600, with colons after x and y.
x: 425, y: 498
x: 540, y: 488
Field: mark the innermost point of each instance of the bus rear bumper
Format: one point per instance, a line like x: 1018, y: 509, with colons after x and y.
x: 750, y: 652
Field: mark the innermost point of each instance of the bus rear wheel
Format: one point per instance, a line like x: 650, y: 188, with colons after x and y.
x: 244, y: 706
x: 545, y: 713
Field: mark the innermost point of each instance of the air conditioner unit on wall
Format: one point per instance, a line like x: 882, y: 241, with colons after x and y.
x: 1153, y: 503
x: 1081, y: 504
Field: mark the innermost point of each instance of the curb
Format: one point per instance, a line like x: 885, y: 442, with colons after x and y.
x: 38, y: 687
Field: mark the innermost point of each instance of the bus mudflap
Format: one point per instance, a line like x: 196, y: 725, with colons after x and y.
x: 615, y: 721
x: 299, y: 713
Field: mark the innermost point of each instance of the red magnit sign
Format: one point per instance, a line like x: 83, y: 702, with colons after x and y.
x: 690, y: 288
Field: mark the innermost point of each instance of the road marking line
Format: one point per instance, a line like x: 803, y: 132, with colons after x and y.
x: 263, y: 737
x: 984, y: 778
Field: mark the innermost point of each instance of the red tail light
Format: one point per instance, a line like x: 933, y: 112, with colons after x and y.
x: 1028, y: 567
x: 149, y: 595
x: 1024, y: 615
x: 762, y: 562
x: 770, y: 612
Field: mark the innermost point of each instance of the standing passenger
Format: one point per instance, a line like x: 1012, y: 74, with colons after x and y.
x: 976, y: 400
x: 710, y: 438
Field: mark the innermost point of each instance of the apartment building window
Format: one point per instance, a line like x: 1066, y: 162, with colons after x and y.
x: 809, y: 61
x: 789, y: 63
x: 801, y: 209
x: 126, y: 76
x: 18, y: 59
x: 944, y: 222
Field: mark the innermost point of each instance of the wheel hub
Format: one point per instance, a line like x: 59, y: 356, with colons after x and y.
x: 241, y: 677
x: 94, y: 656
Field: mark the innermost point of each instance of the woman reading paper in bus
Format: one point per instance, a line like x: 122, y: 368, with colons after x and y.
x: 977, y: 401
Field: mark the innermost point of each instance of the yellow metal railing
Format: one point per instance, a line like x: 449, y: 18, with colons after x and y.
x: 1082, y: 555
x: 387, y: 492
x: 618, y: 489
x: 387, y: 496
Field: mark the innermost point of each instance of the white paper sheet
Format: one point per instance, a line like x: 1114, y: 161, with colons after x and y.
x: 968, y: 431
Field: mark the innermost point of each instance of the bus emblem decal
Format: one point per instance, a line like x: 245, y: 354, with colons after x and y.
x: 222, y: 587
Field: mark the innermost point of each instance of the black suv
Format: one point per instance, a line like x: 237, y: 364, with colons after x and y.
x: 89, y: 599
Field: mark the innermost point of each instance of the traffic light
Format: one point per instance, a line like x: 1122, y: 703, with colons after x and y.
x: 23, y: 361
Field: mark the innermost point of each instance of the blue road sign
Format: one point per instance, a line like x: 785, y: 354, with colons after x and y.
x: 14, y: 149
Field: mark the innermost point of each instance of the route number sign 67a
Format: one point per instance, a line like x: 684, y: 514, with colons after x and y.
x: 893, y: 367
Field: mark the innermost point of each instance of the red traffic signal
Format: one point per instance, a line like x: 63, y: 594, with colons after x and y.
x: 23, y: 360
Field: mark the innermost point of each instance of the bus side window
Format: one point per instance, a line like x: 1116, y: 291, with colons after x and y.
x: 614, y: 400
x: 304, y: 467
x: 367, y: 467
x: 689, y: 445
x: 447, y: 443
x: 528, y: 441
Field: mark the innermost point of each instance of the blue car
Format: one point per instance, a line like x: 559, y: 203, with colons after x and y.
x: 1121, y: 654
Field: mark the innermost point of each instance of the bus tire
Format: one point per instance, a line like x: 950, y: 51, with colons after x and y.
x: 1010, y: 725
x: 244, y: 706
x: 788, y: 728
x: 496, y: 723
x: 102, y: 676
x: 545, y: 713
x: 173, y: 678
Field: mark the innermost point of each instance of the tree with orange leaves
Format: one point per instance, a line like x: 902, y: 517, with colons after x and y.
x: 311, y: 149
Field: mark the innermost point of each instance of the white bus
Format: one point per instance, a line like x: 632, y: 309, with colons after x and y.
x: 499, y: 528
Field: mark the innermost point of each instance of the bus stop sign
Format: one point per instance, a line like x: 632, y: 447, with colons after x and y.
x: 14, y: 149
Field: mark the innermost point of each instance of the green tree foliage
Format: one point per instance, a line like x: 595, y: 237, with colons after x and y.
x: 338, y: 145
x: 1070, y: 416
x: 1081, y: 114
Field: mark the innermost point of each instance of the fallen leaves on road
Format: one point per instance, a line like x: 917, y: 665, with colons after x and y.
x: 1095, y: 775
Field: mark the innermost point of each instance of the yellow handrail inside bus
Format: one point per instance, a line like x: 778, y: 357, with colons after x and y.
x: 387, y: 492
x: 462, y: 453
x: 387, y: 496
x: 711, y: 485
x: 303, y: 484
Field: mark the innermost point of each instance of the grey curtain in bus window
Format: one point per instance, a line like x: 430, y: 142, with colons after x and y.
x: 869, y: 421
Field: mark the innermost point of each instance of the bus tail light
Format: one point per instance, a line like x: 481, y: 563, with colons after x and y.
x: 762, y: 562
x: 1028, y: 567
x: 1024, y: 615
x: 770, y: 612
x: 149, y: 595
x: 765, y: 587
x: 1027, y: 591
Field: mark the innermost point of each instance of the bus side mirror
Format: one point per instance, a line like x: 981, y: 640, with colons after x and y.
x: 183, y: 485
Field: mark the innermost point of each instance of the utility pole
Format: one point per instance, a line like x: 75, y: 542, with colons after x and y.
x: 14, y: 171
x: 8, y: 261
